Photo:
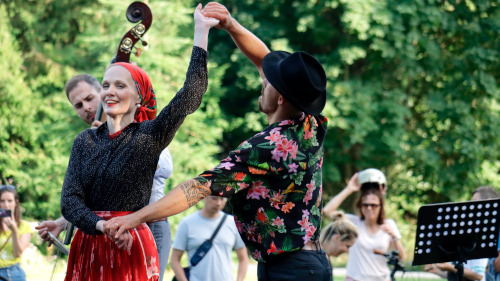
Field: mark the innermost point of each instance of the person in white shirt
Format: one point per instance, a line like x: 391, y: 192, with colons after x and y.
x: 375, y: 232
x: 195, y: 229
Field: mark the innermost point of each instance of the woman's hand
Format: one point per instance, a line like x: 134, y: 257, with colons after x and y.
x: 389, y: 231
x: 124, y: 242
x: 353, y: 184
x: 11, y: 223
x: 202, y: 25
x: 202, y: 21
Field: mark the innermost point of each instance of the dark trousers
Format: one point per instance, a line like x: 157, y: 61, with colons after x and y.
x: 301, y: 265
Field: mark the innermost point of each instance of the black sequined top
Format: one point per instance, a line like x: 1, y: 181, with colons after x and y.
x: 107, y: 174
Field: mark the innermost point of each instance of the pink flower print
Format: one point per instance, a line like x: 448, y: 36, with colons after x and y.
x: 227, y: 159
x: 257, y: 190
x: 239, y: 225
x: 277, y: 199
x: 277, y: 129
x: 257, y: 255
x: 293, y: 151
x: 292, y: 168
x: 305, y: 213
x: 238, y: 159
x: 306, y: 238
x: 308, y: 134
x: 311, y: 186
x: 226, y: 165
x: 304, y: 223
x: 251, y: 233
x: 276, y: 155
x: 243, y: 185
x: 320, y: 164
x: 307, y: 197
x: 284, y: 146
x: 274, y: 137
x: 309, y: 233
x: 310, y: 230
x: 277, y: 222
x: 287, y: 207
x: 286, y: 122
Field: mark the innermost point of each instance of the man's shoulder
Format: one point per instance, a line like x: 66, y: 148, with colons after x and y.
x: 191, y: 217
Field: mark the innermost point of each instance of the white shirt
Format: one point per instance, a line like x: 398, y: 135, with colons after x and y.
x: 363, y: 264
x: 164, y: 171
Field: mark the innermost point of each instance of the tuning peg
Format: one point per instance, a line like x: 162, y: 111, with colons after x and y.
x: 143, y: 42
x: 138, y: 52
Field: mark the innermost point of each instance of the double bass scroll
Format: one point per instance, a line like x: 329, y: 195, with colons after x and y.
x: 136, y: 12
x: 140, y: 13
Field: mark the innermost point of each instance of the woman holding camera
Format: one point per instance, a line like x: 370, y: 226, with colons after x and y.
x: 15, y: 235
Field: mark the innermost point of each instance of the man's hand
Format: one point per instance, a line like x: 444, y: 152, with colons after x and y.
x: 446, y: 266
x: 220, y: 12
x: 54, y: 227
x: 115, y: 227
x: 96, y: 124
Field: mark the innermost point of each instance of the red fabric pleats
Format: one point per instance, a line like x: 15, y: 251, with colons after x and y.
x: 97, y: 258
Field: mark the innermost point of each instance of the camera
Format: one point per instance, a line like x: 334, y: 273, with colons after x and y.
x: 5, y: 213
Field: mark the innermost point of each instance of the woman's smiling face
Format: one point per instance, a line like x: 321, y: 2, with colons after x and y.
x: 119, y: 93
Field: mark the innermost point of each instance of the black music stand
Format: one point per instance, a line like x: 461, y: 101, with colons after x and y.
x: 457, y: 232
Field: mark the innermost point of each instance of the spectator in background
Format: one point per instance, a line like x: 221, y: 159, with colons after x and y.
x: 375, y: 232
x: 473, y: 269
x: 338, y: 236
x: 82, y: 92
x: 15, y: 235
x: 195, y: 229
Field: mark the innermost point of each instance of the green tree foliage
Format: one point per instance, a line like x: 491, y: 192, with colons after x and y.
x: 413, y: 88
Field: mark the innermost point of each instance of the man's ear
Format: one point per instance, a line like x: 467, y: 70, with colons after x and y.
x: 281, y: 100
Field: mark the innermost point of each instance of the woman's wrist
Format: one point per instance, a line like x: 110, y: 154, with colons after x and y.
x: 100, y: 226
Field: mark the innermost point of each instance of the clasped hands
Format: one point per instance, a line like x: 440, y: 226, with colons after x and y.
x: 118, y: 232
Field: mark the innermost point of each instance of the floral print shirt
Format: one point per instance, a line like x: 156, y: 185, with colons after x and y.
x: 274, y: 182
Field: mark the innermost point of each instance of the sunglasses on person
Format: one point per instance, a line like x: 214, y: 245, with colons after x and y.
x: 367, y: 205
x: 9, y: 187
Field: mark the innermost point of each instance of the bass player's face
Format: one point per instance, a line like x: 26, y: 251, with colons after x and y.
x: 85, y: 100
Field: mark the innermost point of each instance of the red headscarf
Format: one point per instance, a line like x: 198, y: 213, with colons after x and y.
x: 147, y: 111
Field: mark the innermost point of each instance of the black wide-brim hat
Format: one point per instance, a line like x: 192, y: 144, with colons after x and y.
x: 299, y: 78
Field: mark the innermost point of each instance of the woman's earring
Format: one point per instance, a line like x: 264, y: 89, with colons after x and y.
x: 138, y: 105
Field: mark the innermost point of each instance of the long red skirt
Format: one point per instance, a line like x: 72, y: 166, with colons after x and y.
x: 97, y: 258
